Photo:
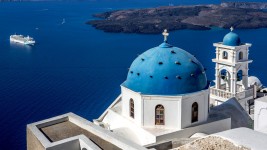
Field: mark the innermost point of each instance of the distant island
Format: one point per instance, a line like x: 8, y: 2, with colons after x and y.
x: 241, y: 15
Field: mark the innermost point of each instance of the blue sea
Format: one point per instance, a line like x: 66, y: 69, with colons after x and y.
x: 76, y: 68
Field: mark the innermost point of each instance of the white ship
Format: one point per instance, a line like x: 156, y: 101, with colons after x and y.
x: 22, y: 39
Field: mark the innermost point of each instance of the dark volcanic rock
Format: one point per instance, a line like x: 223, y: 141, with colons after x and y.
x: 251, y: 5
x: 199, y: 17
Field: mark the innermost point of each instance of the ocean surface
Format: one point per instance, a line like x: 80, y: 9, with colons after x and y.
x: 76, y: 68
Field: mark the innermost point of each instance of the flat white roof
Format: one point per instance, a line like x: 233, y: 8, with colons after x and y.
x: 262, y: 99
x: 245, y: 137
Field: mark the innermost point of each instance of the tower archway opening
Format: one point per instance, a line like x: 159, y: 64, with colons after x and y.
x: 224, y: 78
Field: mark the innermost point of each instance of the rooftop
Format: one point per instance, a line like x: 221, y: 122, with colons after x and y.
x: 71, y: 132
x: 262, y: 99
x: 254, y: 140
x: 64, y: 130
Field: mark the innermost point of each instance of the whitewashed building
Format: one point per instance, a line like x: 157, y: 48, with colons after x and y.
x: 166, y: 90
x: 165, y: 103
x: 260, y: 122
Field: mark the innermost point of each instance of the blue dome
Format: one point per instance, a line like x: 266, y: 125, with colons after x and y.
x: 166, y: 70
x: 231, y: 39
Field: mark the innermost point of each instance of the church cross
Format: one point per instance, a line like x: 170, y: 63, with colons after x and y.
x: 165, y: 34
x: 232, y: 28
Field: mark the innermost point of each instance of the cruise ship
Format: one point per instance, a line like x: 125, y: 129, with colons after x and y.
x: 22, y: 39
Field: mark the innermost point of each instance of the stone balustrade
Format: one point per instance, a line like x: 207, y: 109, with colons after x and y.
x: 227, y: 95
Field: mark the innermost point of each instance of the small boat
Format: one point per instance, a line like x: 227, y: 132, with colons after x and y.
x: 22, y: 39
x: 63, y: 21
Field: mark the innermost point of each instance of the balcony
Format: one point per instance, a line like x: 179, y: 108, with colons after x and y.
x: 225, y: 95
x: 220, y: 93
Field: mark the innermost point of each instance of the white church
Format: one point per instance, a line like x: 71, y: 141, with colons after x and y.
x: 165, y: 91
x: 166, y: 97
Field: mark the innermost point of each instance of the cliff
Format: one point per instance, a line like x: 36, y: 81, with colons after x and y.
x: 250, y: 5
x: 197, y: 17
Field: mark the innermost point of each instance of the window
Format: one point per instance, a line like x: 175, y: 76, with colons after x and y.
x: 194, y: 112
x: 240, y: 55
x: 159, y: 115
x: 225, y: 55
x: 131, y: 108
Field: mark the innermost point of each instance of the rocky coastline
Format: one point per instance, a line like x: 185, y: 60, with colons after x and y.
x: 197, y: 17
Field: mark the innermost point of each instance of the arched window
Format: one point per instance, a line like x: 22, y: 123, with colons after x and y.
x: 240, y: 55
x: 194, y: 112
x: 159, y: 115
x: 225, y: 55
x: 131, y: 108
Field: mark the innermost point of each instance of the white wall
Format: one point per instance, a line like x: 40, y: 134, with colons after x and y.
x: 177, y: 109
x: 233, y: 52
x: 260, y: 113
x: 229, y: 52
x: 207, y: 128
x: 138, y: 110
x: 172, y: 111
x: 203, y: 105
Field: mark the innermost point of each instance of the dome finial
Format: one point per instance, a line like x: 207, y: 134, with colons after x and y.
x: 232, y: 28
x: 165, y: 34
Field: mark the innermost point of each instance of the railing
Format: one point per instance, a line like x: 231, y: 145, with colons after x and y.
x: 227, y: 95
x: 221, y: 93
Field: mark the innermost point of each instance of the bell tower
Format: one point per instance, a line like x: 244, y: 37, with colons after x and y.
x: 231, y: 70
